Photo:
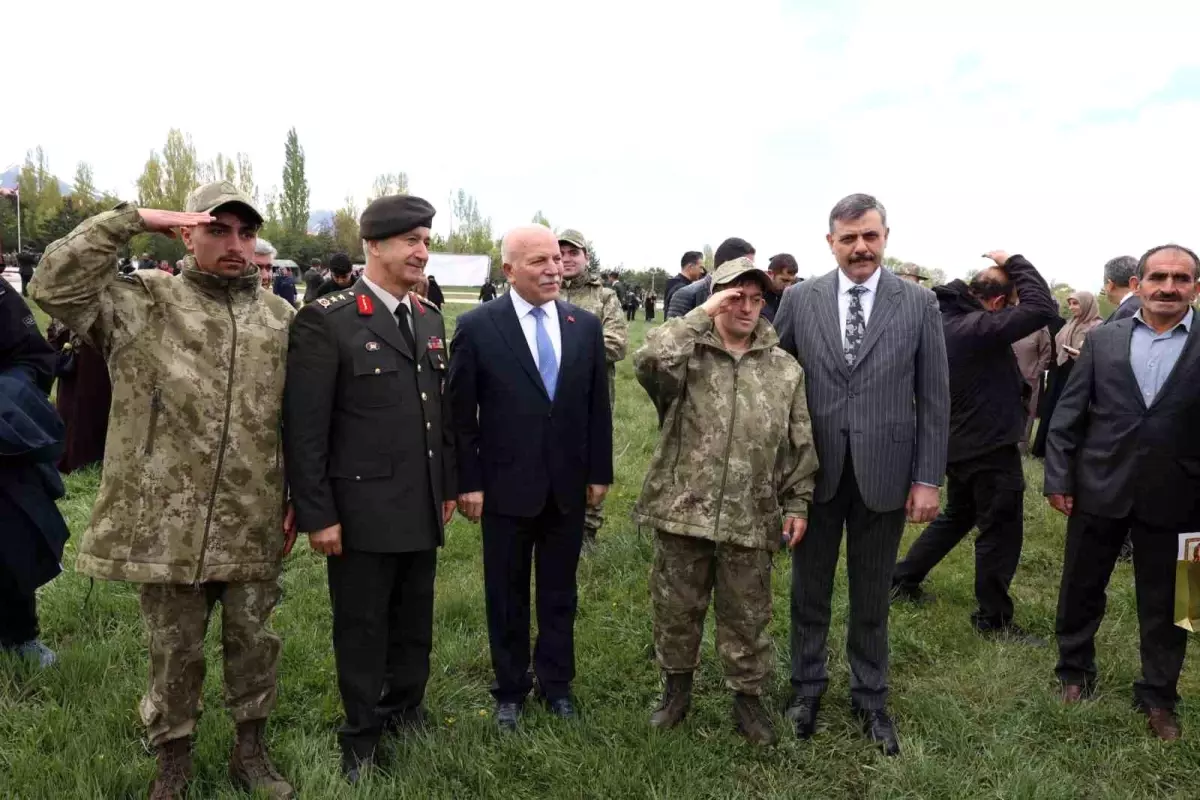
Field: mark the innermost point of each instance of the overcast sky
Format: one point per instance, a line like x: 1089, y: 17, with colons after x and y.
x: 1063, y: 130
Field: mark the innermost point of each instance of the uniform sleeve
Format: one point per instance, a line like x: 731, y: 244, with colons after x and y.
x: 464, y: 408
x: 661, y: 363
x: 616, y: 329
x: 799, y: 462
x: 308, y: 397
x: 77, y: 281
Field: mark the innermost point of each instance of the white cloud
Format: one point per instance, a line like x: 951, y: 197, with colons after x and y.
x: 659, y: 126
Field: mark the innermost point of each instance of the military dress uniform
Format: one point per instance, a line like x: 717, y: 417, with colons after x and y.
x: 368, y: 446
x: 587, y: 291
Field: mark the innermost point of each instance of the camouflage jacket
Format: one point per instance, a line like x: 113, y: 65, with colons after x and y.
x: 589, y: 293
x: 193, y: 487
x: 736, y: 450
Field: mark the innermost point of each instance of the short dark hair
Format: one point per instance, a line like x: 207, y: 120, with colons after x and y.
x: 986, y: 287
x: 339, y: 264
x: 1120, y: 270
x: 691, y: 257
x: 1141, y: 264
x: 854, y: 206
x: 730, y: 249
x: 783, y: 262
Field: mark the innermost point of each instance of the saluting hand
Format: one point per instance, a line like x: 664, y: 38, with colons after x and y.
x: 722, y: 301
x: 327, y: 542
x: 166, y: 222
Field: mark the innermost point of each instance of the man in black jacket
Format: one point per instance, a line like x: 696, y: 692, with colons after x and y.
x: 369, y: 455
x: 985, y: 483
x: 694, y: 294
x: 1119, y: 275
x: 691, y: 269
x: 341, y: 276
x: 1123, y: 454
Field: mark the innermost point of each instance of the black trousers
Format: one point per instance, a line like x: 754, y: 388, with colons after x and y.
x: 987, y: 492
x: 382, y: 635
x: 1093, y: 544
x: 18, y: 612
x: 872, y: 539
x: 512, y: 548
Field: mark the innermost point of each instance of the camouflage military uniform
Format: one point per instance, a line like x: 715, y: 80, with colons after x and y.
x: 735, y: 455
x: 192, y: 494
x: 589, y: 293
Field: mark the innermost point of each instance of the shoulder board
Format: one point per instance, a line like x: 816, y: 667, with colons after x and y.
x: 428, y: 303
x: 333, y: 300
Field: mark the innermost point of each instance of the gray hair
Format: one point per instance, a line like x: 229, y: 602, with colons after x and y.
x: 853, y: 207
x: 1141, y: 265
x: 265, y: 248
x: 506, y: 244
x: 1120, y: 270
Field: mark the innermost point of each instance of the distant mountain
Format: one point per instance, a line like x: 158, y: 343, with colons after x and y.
x: 8, y: 180
x: 319, y: 219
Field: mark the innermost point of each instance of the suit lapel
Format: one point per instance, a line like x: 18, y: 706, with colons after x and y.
x: 420, y: 326
x: 504, y: 316
x: 827, y: 319
x: 1185, y: 358
x: 887, y: 299
x: 382, y: 323
x: 570, y: 342
x: 1126, y: 343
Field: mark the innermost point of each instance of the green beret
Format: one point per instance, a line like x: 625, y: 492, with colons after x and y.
x: 393, y: 215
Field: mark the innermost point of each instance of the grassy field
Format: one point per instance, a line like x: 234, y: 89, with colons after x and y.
x: 976, y: 719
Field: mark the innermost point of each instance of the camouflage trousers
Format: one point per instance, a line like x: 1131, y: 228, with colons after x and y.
x: 176, y: 617
x: 686, y: 572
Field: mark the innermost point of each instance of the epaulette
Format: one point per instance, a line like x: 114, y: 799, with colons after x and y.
x: 428, y: 303
x: 334, y: 300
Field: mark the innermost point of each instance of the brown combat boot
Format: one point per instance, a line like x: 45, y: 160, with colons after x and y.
x: 174, y: 769
x: 752, y: 720
x: 676, y: 700
x: 251, y: 768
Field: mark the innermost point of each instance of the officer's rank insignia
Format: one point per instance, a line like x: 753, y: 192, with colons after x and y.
x: 372, y: 346
x: 366, y: 308
x: 324, y: 303
x: 435, y: 343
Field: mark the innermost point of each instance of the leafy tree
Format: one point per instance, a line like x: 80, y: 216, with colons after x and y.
x: 293, y: 204
x: 180, y: 170
x: 540, y: 219
x: 708, y: 257
x: 245, y: 177
x: 474, y: 231
x: 84, y: 189
x: 150, y: 182
x: 593, y: 259
x: 40, y: 198
x: 389, y: 183
x: 346, y: 235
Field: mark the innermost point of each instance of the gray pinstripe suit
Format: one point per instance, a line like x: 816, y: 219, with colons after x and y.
x: 879, y: 427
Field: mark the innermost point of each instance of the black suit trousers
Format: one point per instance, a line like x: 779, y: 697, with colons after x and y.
x: 1093, y: 544
x: 872, y: 540
x: 382, y: 636
x: 512, y: 548
x: 987, y: 491
x: 18, y: 611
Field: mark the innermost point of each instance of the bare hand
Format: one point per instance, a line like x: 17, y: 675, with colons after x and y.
x: 289, y: 529
x: 327, y: 542
x: 922, y: 505
x: 722, y: 301
x: 470, y: 505
x: 448, y: 507
x: 999, y: 256
x: 595, y: 493
x: 165, y: 222
x: 1062, y: 503
x: 794, y: 529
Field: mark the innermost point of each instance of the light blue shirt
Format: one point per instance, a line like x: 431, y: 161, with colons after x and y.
x: 529, y: 326
x: 1153, y: 355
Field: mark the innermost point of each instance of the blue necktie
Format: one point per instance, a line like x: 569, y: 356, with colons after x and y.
x: 547, y: 362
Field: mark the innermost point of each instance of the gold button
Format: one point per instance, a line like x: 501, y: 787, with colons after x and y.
x: 423, y: 397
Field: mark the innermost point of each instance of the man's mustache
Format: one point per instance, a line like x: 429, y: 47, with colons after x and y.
x: 1165, y: 298
x: 860, y: 259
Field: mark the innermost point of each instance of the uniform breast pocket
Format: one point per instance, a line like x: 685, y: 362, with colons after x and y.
x: 376, y: 382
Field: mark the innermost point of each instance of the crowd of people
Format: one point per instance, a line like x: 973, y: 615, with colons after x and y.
x: 793, y: 414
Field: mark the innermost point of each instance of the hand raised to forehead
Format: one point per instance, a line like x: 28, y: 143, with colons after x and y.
x: 722, y: 301
x: 166, y: 222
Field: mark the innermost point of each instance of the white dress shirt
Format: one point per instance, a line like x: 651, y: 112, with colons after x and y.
x: 1126, y: 297
x: 868, y: 298
x: 529, y: 326
x: 391, y: 301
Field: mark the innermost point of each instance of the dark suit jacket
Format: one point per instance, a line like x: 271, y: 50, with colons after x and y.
x: 893, y: 407
x: 367, y: 435
x: 1125, y: 310
x: 514, y: 445
x: 1116, y: 456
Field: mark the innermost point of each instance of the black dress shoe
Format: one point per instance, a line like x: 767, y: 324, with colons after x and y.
x: 561, y: 707
x: 913, y: 595
x: 354, y: 767
x: 508, y: 715
x: 879, y: 728
x: 802, y: 713
x: 406, y: 720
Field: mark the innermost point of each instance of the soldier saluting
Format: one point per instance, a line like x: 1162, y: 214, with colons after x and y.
x: 372, y: 472
x: 192, y: 495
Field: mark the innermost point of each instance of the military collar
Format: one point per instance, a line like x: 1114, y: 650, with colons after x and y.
x: 245, y: 285
x: 584, y: 278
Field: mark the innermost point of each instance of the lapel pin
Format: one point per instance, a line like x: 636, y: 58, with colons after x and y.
x: 372, y: 346
x: 570, y: 318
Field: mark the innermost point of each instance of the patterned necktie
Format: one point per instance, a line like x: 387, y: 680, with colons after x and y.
x: 402, y: 319
x: 856, y: 325
x: 547, y: 361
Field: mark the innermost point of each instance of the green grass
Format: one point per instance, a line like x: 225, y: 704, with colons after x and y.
x: 976, y: 719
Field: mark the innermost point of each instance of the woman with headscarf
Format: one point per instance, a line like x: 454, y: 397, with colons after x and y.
x: 1068, y: 343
